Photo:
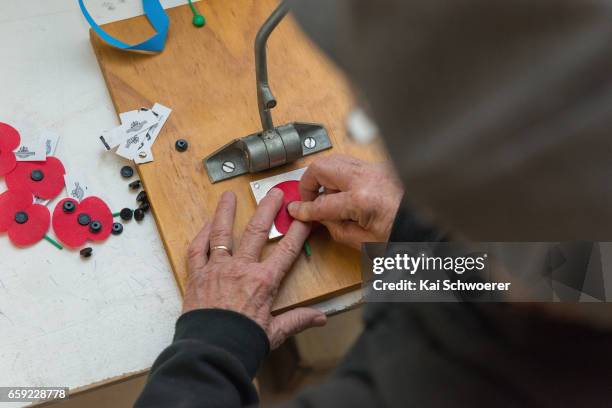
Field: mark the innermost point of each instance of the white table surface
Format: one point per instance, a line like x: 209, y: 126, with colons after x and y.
x: 65, y: 321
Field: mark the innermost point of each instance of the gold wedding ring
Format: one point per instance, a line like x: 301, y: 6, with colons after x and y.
x: 223, y: 247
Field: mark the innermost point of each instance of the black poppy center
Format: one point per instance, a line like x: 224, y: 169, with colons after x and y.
x: 21, y: 217
x: 84, y: 219
x: 37, y: 175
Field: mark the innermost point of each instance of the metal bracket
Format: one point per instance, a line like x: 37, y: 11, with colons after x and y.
x: 266, y: 150
x: 273, y: 146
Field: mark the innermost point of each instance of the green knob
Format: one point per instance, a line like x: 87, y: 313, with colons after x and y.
x: 199, y: 20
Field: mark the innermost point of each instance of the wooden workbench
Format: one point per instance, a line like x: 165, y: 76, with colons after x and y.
x: 207, y: 77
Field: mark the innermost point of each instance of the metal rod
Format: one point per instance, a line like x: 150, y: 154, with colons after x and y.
x: 265, y: 98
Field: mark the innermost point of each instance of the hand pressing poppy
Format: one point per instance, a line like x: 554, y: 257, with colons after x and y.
x: 74, y: 223
x: 26, y: 222
x: 43, y: 179
x: 9, y: 141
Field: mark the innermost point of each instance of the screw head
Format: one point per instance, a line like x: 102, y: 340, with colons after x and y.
x: 142, y: 155
x: 310, y: 143
x: 256, y: 186
x: 228, y: 167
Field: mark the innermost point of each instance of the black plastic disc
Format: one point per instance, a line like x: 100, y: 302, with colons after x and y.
x: 95, y: 227
x: 21, y: 217
x: 84, y: 219
x: 127, y: 172
x: 68, y: 206
x: 37, y: 175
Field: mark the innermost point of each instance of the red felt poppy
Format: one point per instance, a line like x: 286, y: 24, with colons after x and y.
x: 74, y: 223
x: 9, y: 141
x: 43, y: 179
x: 26, y: 222
x: 291, y: 191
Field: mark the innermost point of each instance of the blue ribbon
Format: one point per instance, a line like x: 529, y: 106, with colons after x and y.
x: 158, y: 19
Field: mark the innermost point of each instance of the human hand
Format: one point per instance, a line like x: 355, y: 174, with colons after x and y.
x: 359, y: 202
x: 242, y: 282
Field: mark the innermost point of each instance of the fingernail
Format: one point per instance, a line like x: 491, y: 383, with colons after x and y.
x: 275, y: 192
x: 292, y: 207
x: 320, y: 320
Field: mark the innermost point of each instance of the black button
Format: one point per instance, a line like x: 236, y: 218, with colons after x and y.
x: 95, y: 227
x: 145, y: 206
x: 126, y: 214
x: 142, y: 197
x: 135, y: 185
x: 37, y: 175
x: 117, y: 228
x: 181, y: 145
x: 139, y: 214
x: 21, y: 217
x: 68, y: 206
x: 127, y: 171
x: 84, y: 219
x: 86, y: 252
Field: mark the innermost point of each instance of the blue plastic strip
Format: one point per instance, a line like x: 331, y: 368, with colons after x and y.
x: 158, y: 19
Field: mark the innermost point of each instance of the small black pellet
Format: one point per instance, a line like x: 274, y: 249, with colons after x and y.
x: 142, y: 197
x: 139, y: 214
x: 126, y: 214
x: 86, y: 252
x: 145, y: 206
x: 135, y: 185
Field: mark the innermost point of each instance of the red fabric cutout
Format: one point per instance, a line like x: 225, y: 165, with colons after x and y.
x: 291, y: 191
x: 48, y: 188
x: 70, y: 232
x: 32, y: 231
x: 9, y: 141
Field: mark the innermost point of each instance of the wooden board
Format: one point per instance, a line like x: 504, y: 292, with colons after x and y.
x: 207, y: 77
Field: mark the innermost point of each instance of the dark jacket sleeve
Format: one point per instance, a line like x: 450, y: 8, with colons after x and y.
x: 410, y: 227
x: 211, y: 362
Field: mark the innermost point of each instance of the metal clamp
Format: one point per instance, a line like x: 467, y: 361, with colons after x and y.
x: 273, y: 146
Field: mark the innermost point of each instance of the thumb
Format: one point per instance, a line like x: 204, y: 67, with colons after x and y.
x: 293, y: 322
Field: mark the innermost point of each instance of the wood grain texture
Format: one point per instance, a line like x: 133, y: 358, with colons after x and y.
x: 207, y: 77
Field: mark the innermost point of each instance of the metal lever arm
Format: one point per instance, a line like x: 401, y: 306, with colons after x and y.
x: 265, y: 98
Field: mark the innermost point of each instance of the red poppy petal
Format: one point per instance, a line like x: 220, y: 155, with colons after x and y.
x: 291, y: 191
x: 70, y: 232
x: 7, y: 162
x: 48, y: 188
x: 34, y: 229
x: 66, y: 227
x: 9, y: 137
x: 98, y: 211
x: 11, y: 202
